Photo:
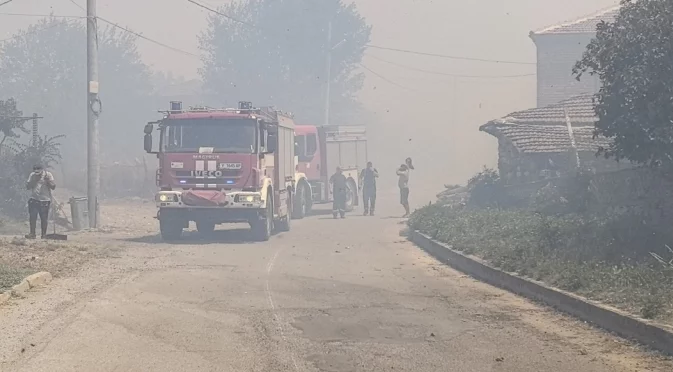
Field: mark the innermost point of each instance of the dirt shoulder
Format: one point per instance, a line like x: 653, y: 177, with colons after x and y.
x: 21, y: 257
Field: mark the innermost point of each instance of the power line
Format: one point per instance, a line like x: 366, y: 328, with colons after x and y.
x: 137, y: 34
x: 41, y: 15
x: 6, y: 2
x: 148, y: 39
x: 380, y: 47
x: 448, y: 56
x: 386, y: 79
x: 448, y: 74
x: 222, y: 14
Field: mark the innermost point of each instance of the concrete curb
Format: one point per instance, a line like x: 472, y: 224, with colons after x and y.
x: 32, y: 281
x: 611, y: 320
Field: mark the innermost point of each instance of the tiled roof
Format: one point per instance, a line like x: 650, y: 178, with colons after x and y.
x: 544, y: 130
x: 582, y: 25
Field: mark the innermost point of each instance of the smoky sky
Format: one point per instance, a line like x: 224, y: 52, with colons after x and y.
x: 430, y: 116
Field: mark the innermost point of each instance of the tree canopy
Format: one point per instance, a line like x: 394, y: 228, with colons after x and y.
x: 11, y: 121
x: 44, y: 68
x: 633, y: 58
x: 275, y: 53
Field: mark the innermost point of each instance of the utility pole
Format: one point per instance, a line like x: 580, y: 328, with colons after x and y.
x: 36, y: 134
x: 93, y: 110
x: 329, y: 71
x: 330, y: 48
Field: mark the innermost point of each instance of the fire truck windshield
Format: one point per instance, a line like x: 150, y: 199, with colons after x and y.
x: 223, y: 135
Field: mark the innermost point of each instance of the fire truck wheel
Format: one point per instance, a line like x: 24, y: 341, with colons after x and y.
x: 263, y: 227
x: 300, y: 207
x: 205, y: 227
x: 171, y: 229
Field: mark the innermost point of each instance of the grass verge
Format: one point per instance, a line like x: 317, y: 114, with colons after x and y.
x: 603, y: 258
x: 11, y: 276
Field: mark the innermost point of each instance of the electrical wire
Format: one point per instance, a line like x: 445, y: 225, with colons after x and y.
x: 148, y: 39
x: 386, y: 79
x: 6, y: 2
x: 221, y: 14
x: 381, y: 47
x: 448, y: 74
x: 40, y: 15
x: 138, y: 34
x: 448, y: 56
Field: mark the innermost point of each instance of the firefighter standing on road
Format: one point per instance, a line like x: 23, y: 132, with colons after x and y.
x: 339, y: 193
x: 368, y: 178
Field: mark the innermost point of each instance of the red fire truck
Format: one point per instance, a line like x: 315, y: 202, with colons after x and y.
x: 320, y: 150
x: 223, y: 166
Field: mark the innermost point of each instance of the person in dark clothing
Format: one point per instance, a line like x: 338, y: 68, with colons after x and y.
x: 339, y: 193
x: 40, y: 183
x: 368, y: 178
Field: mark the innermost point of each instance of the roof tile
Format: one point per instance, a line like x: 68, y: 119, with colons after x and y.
x: 544, y: 130
x: 583, y: 25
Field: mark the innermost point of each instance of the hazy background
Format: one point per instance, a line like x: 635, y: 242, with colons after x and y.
x: 431, y: 117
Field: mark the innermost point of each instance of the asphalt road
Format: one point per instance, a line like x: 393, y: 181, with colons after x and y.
x: 331, y: 295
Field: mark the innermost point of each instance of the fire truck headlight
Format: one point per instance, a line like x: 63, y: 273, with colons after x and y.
x: 167, y: 198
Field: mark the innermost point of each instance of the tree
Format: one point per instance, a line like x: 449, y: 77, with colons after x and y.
x: 275, y: 52
x: 16, y: 158
x: 632, y: 56
x: 44, y: 67
x: 15, y: 165
x: 11, y: 121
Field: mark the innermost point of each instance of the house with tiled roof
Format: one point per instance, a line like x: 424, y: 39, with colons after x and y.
x: 559, y: 47
x: 547, y: 142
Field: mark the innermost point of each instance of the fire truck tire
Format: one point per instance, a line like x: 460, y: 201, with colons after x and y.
x: 263, y: 227
x: 300, y: 207
x: 171, y: 229
x: 205, y: 227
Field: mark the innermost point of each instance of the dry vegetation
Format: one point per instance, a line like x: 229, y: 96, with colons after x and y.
x: 603, y: 258
x: 20, y: 257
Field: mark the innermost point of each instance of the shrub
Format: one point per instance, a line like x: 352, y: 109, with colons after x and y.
x: 15, y: 164
x: 603, y: 257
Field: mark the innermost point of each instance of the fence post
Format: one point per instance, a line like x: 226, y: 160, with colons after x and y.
x: 575, y: 160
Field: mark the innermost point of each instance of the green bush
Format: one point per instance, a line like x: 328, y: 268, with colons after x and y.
x: 16, y: 164
x: 603, y: 257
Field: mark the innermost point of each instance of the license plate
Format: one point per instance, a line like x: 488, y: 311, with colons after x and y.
x: 230, y: 166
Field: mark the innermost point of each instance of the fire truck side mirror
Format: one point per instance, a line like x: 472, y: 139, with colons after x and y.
x: 149, y: 128
x: 148, y: 143
x: 271, y: 143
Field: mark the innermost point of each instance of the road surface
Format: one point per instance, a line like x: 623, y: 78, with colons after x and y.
x: 331, y: 295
